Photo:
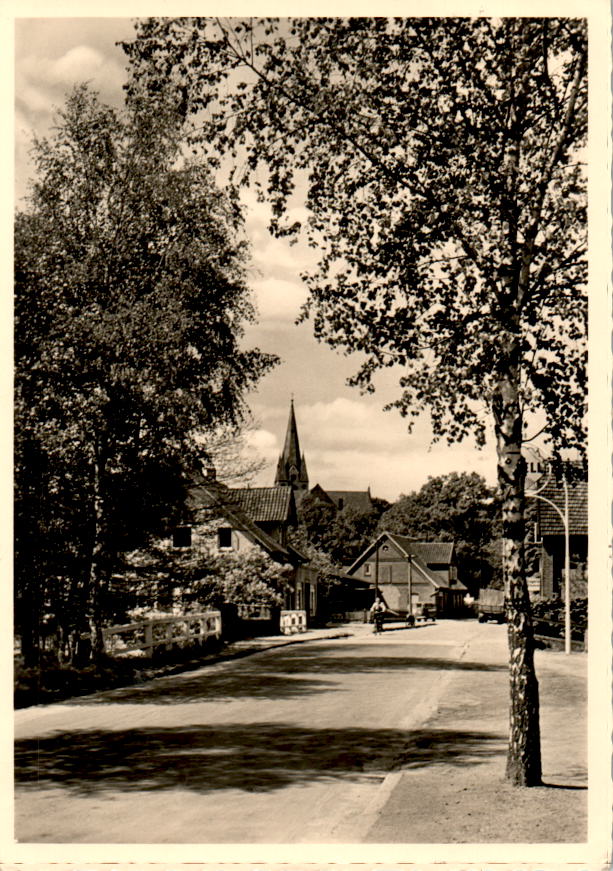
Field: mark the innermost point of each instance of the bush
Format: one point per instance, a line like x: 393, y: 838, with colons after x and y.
x: 549, y: 616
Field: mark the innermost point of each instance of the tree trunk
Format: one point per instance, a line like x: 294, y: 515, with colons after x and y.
x: 524, y: 752
x: 98, y: 564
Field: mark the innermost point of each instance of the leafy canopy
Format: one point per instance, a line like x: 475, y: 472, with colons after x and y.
x: 442, y: 160
x: 130, y: 304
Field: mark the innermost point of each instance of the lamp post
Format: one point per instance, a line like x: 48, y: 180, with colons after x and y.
x: 563, y: 515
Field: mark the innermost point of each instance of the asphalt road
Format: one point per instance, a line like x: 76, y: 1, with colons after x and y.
x: 291, y: 745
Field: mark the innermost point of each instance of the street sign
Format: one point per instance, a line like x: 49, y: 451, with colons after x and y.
x: 536, y: 467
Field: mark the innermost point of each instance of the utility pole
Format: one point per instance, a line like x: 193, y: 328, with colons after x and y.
x: 377, y: 572
x: 410, y: 591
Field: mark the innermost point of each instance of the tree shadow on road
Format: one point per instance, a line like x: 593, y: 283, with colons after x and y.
x: 258, y: 757
x: 357, y: 658
x: 251, y: 681
x: 280, y: 674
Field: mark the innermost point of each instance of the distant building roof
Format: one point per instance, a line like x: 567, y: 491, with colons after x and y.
x: 549, y: 520
x: 264, y: 504
x: 359, y: 500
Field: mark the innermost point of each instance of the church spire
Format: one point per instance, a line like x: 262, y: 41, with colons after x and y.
x: 291, y: 468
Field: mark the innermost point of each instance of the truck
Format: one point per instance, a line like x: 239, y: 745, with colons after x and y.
x: 490, y: 605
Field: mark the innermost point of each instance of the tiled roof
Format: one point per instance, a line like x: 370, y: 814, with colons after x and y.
x: 360, y: 500
x: 431, y: 552
x: 549, y: 520
x: 437, y: 578
x: 217, y: 498
x: 264, y: 504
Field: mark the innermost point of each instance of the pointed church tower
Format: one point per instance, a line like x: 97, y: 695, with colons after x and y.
x: 291, y: 468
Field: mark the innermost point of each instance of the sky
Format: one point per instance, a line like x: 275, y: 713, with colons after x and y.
x: 349, y: 442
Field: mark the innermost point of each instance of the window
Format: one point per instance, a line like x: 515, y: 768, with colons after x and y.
x: 341, y: 503
x: 182, y: 536
x: 367, y: 568
x: 224, y: 537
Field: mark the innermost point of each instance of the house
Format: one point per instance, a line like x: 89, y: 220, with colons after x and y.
x: 550, y: 534
x: 272, y: 509
x: 398, y: 567
x: 241, y: 519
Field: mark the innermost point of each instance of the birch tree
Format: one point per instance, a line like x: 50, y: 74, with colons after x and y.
x: 440, y: 161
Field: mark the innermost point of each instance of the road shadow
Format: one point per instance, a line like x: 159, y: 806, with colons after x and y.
x: 277, y: 674
x: 257, y: 757
x: 358, y: 658
x: 251, y: 681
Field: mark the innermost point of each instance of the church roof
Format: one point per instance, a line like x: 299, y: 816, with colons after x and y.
x: 291, y: 459
x: 264, y: 504
x: 360, y: 500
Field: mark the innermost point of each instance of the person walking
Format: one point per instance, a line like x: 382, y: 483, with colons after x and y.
x: 377, y: 611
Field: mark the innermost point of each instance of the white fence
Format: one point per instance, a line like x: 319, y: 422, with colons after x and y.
x: 164, y: 632
x: 293, y: 621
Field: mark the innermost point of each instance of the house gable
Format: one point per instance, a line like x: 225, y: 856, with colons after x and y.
x: 434, y: 562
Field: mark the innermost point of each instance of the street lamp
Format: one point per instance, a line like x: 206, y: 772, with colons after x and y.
x: 563, y: 515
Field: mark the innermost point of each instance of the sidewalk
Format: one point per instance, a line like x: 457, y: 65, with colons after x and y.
x: 463, y: 797
x: 247, y: 646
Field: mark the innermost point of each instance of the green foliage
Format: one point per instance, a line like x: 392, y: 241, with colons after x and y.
x: 130, y: 304
x: 320, y: 560
x: 457, y: 507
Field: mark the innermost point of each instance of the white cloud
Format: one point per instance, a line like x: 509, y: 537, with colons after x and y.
x: 263, y: 441
x: 81, y: 62
x: 34, y: 99
x: 351, y: 445
x: 274, y: 257
x: 278, y: 300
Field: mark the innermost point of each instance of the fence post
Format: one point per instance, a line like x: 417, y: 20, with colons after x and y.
x: 149, y: 636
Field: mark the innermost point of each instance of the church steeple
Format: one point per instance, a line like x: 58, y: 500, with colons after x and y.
x: 291, y: 468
